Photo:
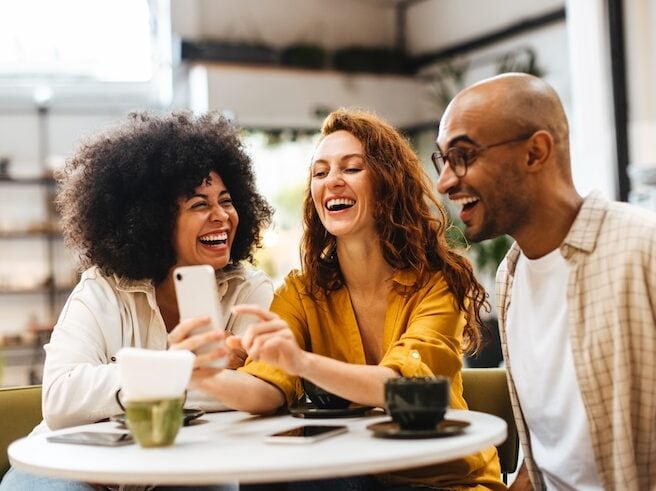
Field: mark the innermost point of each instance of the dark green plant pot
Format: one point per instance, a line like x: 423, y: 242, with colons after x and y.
x: 229, y: 52
x: 371, y: 60
x: 304, y: 56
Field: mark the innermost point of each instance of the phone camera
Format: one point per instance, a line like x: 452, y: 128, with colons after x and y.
x: 178, y: 276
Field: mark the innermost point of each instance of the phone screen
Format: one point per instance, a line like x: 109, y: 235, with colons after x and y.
x: 93, y: 438
x: 307, y: 433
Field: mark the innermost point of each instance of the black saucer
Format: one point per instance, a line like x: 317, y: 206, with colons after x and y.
x: 390, y: 429
x: 310, y: 411
x: 188, y: 416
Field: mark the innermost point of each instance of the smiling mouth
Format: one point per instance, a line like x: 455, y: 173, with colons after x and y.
x: 339, y: 204
x: 214, y: 239
x: 466, y: 203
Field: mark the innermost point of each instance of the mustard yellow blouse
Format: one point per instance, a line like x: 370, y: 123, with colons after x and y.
x: 422, y: 337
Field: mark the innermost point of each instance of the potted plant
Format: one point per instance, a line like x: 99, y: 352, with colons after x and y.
x: 216, y: 50
x: 371, y: 60
x: 304, y: 55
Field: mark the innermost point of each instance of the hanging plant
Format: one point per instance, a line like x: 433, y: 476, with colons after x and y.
x: 449, y: 79
x: 522, y: 60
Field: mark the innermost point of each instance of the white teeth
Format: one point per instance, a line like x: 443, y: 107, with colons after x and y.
x: 464, y: 201
x: 208, y: 237
x: 345, y: 202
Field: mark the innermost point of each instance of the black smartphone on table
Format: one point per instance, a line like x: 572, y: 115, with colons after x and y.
x: 306, y: 434
x: 104, y: 439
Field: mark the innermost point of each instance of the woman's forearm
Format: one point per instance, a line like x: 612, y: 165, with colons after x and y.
x: 363, y: 384
x: 242, y: 391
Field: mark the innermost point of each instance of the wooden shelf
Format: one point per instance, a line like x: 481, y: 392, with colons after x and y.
x: 30, y: 234
x: 43, y: 180
x: 36, y: 290
x: 36, y: 177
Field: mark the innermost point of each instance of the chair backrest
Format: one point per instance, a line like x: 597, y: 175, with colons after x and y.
x: 486, y: 390
x: 20, y: 412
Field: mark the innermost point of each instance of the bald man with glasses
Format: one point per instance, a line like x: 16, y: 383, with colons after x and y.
x: 576, y: 292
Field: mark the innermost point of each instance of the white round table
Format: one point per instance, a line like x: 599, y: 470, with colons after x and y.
x: 230, y: 446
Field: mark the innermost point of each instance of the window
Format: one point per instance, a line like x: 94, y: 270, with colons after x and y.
x: 103, y: 40
x: 281, y: 160
x: 122, y: 44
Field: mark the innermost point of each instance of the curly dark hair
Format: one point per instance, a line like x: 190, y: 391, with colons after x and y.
x: 118, y: 195
x: 410, y: 221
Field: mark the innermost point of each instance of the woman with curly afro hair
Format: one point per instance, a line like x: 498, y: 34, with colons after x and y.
x: 155, y: 193
x: 381, y: 295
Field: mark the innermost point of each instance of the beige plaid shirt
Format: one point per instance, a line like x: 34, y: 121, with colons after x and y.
x: 611, y: 301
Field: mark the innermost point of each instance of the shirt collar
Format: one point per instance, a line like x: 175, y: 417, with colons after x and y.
x: 405, y: 277
x: 223, y: 277
x: 584, y: 232
x: 512, y: 257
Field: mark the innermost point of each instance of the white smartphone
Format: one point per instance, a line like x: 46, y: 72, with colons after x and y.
x: 197, y: 295
x: 306, y: 434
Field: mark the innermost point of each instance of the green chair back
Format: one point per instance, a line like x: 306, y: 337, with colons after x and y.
x: 20, y: 412
x: 486, y: 391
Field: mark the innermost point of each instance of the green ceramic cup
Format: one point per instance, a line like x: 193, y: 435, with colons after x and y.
x: 154, y: 423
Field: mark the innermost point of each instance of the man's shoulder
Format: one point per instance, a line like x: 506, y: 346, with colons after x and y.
x: 628, y: 228
x: 606, y: 226
x: 620, y: 213
x: 614, y: 212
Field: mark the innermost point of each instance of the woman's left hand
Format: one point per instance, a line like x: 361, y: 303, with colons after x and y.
x: 270, y: 340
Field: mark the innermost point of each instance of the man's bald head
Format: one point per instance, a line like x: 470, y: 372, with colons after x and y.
x: 519, y: 103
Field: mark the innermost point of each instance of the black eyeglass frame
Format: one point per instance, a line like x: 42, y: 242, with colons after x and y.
x: 461, y: 158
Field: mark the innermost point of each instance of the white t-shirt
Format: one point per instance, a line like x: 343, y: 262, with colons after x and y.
x: 542, y: 368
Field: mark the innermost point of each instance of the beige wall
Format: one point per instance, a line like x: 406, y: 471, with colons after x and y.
x: 330, y: 23
x: 437, y: 24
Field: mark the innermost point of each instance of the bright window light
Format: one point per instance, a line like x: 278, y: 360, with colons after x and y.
x: 102, y: 40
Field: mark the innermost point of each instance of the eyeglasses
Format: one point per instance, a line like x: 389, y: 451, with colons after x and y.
x: 458, y: 158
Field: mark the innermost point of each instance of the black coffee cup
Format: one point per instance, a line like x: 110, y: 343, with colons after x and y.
x: 417, y: 403
x: 322, y: 398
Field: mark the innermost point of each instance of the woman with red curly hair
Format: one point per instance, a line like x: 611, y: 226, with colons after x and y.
x: 380, y: 295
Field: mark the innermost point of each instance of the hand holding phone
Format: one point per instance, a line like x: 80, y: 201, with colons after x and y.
x: 197, y: 296
x: 306, y: 434
x: 104, y: 439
